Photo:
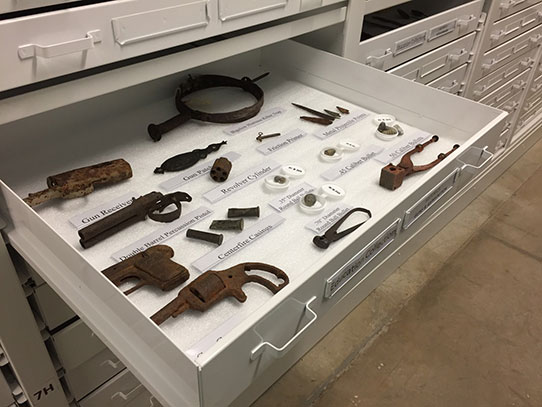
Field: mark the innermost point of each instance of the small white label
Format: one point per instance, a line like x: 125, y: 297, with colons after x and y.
x: 399, y: 149
x: 281, y: 142
x: 432, y: 197
x: 328, y: 219
x: 354, y: 161
x: 164, y: 233
x: 343, y: 123
x: 360, y: 260
x: 292, y: 198
x: 238, y: 243
x: 410, y: 42
x: 194, y: 172
x: 248, y: 177
x: 95, y: 214
x: 441, y: 30
x: 256, y: 120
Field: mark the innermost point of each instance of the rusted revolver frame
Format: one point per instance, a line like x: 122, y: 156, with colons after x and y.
x: 81, y: 181
x: 213, y: 286
x: 201, y: 82
x: 392, y: 176
x: 151, y: 267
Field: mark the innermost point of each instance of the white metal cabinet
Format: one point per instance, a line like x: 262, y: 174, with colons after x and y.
x: 490, y: 83
x: 504, y: 8
x: 398, y: 46
x: 430, y: 66
x: 175, y: 375
x: 512, y: 26
x: 515, y: 85
x: 51, y: 307
x: 453, y: 82
x: 18, y: 5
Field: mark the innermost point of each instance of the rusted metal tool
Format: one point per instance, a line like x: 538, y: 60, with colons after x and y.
x: 318, y: 120
x: 186, y: 160
x: 213, y: 286
x: 201, y: 82
x: 343, y: 110
x: 261, y: 137
x: 332, y: 235
x: 151, y: 267
x: 392, y: 176
x: 150, y: 205
x: 81, y: 181
x: 315, y: 112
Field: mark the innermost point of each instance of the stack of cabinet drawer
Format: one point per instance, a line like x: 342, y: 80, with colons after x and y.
x: 92, y: 375
x: 435, y: 51
x: 504, y: 67
x: 11, y: 394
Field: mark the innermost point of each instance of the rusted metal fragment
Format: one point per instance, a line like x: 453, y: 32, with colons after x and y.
x: 220, y: 170
x: 151, y: 267
x: 151, y: 205
x: 244, y: 212
x: 332, y: 234
x: 392, y: 176
x: 315, y: 112
x: 186, y: 160
x: 213, y: 286
x: 81, y: 181
x: 343, y: 110
x: 318, y: 120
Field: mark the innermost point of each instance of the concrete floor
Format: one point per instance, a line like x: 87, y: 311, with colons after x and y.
x: 456, y: 325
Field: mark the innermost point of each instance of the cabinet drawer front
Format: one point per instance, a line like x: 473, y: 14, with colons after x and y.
x: 511, y: 104
x: 403, y: 44
x: 504, y: 54
x: 10, y: 6
x: 436, y: 63
x: 453, y: 82
x: 504, y: 8
x: 75, y: 344
x: 532, y: 101
x: 536, y: 84
x: 495, y: 80
x: 93, y: 373
x: 515, y: 85
x: 122, y: 390
x: 512, y: 26
x: 53, y: 310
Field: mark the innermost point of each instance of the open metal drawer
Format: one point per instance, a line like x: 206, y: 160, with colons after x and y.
x: 47, y: 45
x: 400, y: 45
x: 210, y: 359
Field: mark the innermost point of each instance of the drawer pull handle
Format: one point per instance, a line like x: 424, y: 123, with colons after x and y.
x: 62, y: 48
x: 510, y: 108
x: 465, y: 23
x: 456, y: 57
x: 278, y: 352
x: 528, y: 62
x: 518, y: 86
x: 478, y: 157
x: 510, y: 73
x: 378, y: 61
x: 525, y: 23
x: 454, y: 87
x: 109, y: 362
x: 127, y: 396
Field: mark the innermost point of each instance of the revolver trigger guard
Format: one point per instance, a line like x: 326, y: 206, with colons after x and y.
x: 239, y: 295
x: 174, y: 198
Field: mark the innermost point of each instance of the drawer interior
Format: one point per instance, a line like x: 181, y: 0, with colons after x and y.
x: 383, y: 21
x: 114, y: 126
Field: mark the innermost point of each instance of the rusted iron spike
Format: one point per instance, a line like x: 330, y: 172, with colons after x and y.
x: 332, y: 235
x: 392, y: 176
x: 151, y: 205
x: 81, y: 181
x: 244, y: 212
x: 343, y: 110
x: 205, y: 236
x: 318, y: 120
x: 227, y: 224
x: 332, y: 113
x: 315, y: 112
x: 262, y: 137
x: 213, y: 286
x: 151, y: 267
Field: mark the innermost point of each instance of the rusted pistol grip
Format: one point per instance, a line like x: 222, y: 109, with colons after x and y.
x: 156, y: 131
x: 213, y: 286
x: 151, y: 267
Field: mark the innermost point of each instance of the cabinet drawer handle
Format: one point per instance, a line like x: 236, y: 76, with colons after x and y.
x: 112, y: 364
x: 278, y: 352
x: 456, y: 57
x: 482, y: 156
x: 127, y: 396
x: 62, y: 48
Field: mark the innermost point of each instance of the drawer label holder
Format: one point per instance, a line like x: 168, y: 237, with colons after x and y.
x: 361, y: 259
x: 431, y: 198
x: 411, y: 42
x: 442, y: 29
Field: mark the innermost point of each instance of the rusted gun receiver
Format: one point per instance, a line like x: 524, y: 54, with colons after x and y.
x: 81, y: 181
x: 392, y: 176
x: 151, y: 267
x: 150, y: 205
x: 213, y: 286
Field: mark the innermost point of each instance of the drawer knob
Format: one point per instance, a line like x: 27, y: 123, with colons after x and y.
x: 61, y: 48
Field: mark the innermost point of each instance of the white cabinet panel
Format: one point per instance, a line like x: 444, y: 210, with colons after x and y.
x: 504, y: 8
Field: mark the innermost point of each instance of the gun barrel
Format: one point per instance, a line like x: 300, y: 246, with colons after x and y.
x: 173, y: 308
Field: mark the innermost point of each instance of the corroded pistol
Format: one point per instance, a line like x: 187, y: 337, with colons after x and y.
x: 150, y: 205
x: 81, y: 181
x: 151, y: 267
x: 213, y: 286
